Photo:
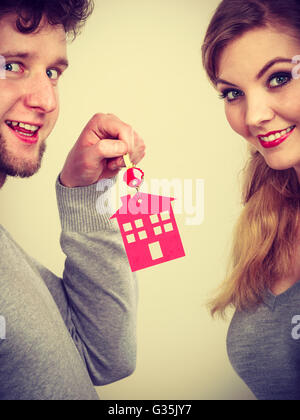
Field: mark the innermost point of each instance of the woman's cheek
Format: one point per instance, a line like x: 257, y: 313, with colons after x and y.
x: 236, y: 121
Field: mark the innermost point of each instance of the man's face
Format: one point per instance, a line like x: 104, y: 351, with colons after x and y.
x: 29, y: 104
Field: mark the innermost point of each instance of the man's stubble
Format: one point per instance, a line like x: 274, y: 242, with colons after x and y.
x: 14, y: 166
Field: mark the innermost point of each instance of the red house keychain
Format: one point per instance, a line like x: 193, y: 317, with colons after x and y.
x: 147, y: 224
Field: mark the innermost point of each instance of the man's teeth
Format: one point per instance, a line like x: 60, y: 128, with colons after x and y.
x: 276, y: 136
x: 28, y: 127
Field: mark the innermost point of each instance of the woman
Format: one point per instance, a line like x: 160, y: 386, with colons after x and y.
x: 248, y: 54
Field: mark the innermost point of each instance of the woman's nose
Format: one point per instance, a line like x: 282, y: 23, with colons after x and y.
x: 259, y: 111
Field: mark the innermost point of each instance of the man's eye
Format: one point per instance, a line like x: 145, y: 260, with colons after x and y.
x: 53, y: 74
x: 13, y: 67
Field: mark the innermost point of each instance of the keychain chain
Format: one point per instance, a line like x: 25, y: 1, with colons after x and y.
x: 134, y: 176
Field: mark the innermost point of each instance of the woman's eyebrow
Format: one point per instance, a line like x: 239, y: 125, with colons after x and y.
x: 271, y: 63
x: 262, y: 71
x: 224, y: 82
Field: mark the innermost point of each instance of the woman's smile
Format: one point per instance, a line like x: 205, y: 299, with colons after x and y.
x: 275, y: 138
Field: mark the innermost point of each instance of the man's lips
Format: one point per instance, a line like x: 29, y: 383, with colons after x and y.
x: 27, y: 124
x: 24, y: 131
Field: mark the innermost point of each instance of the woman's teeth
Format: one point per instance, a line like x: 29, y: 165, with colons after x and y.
x: 276, y: 136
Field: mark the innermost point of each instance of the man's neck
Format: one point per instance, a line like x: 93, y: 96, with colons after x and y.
x: 2, y: 179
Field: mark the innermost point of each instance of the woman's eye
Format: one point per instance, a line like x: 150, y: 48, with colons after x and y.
x: 231, y: 95
x: 53, y: 74
x: 13, y: 67
x: 279, y: 80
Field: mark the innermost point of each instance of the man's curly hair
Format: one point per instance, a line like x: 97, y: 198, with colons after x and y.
x: 72, y: 14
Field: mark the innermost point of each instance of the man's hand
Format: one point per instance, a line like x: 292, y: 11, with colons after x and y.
x: 99, y: 151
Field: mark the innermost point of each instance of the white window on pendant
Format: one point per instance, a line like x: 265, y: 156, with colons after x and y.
x: 155, y: 251
x: 168, y: 227
x: 139, y: 223
x: 130, y: 239
x: 127, y: 227
x: 154, y: 219
x: 143, y: 235
x: 157, y: 230
x: 165, y: 216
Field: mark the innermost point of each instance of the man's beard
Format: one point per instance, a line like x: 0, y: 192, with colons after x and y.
x: 17, y: 167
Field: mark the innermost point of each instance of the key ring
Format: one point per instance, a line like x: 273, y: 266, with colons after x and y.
x: 134, y: 176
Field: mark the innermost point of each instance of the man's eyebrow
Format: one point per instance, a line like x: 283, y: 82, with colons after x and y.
x: 262, y: 71
x: 24, y: 55
x: 18, y: 54
x: 62, y: 62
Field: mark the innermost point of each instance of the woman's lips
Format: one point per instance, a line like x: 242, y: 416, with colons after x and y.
x: 276, y: 142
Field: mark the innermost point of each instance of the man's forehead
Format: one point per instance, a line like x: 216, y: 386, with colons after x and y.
x: 10, y: 35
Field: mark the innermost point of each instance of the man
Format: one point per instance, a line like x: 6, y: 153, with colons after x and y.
x: 62, y: 335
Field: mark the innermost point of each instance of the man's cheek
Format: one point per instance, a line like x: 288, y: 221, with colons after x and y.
x: 53, y: 117
x: 13, y: 95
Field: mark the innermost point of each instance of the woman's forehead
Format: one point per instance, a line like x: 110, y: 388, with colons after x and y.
x: 250, y: 51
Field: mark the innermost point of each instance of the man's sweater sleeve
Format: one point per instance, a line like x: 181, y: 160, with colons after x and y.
x: 97, y: 296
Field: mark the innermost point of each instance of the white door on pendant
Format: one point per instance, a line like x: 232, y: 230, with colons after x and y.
x: 155, y: 250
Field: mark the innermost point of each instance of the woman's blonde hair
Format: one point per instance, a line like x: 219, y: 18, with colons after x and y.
x: 265, y: 234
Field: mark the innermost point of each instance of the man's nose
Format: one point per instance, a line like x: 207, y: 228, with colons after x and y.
x: 40, y: 94
x: 259, y: 110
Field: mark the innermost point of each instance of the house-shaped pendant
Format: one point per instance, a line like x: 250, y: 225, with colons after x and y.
x: 149, y: 230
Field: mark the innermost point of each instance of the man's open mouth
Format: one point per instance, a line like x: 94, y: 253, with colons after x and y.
x: 24, y: 129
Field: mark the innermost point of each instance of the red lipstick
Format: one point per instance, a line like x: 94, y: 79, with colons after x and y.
x: 276, y: 142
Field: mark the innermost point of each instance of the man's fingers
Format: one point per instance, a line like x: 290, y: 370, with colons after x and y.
x: 117, y: 163
x: 100, y: 151
x: 108, y: 126
x: 108, y: 149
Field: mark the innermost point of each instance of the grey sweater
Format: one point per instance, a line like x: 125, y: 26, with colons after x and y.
x: 65, y: 335
x: 264, y: 346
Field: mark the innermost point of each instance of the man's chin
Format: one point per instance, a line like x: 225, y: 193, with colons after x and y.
x: 15, y: 167
x: 20, y: 172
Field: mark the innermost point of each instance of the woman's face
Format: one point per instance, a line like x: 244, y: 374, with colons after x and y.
x: 262, y: 93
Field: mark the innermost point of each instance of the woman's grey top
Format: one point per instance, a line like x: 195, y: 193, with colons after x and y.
x: 264, y: 346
